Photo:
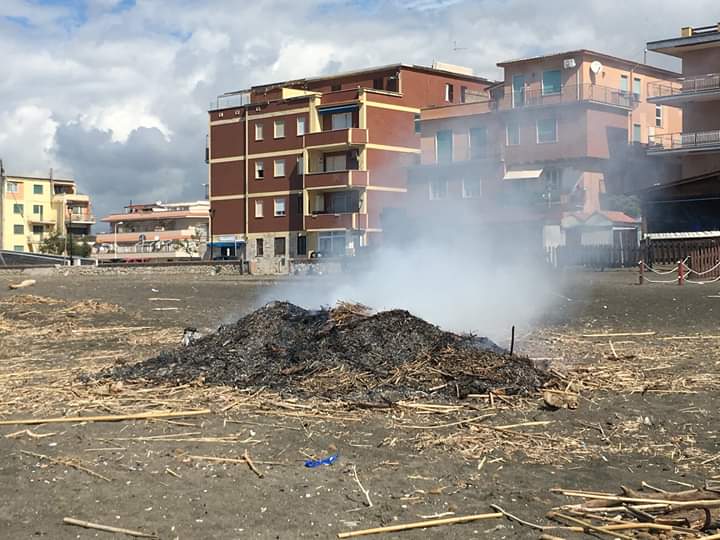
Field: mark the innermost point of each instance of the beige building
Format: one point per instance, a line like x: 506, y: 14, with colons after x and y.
x: 33, y: 208
x: 158, y: 232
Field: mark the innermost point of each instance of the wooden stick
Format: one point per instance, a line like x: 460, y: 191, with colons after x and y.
x: 419, y: 525
x: 115, y: 418
x: 108, y: 528
x: 671, y: 505
x: 250, y: 464
x: 620, y: 334
x: 67, y: 463
x: 521, y: 521
x: 588, y: 526
x: 365, y: 492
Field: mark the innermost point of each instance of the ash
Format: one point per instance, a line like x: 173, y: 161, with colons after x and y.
x: 343, y: 353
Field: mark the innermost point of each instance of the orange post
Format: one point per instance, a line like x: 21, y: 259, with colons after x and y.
x: 681, y: 272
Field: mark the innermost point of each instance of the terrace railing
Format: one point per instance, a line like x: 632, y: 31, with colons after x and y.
x: 687, y: 86
x: 571, y: 93
x: 701, y: 140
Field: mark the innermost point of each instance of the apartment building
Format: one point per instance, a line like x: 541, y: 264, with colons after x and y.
x: 307, y: 167
x: 544, y: 153
x: 33, y: 208
x: 157, y: 231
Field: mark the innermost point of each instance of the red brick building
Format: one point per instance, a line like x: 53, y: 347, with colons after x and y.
x: 541, y: 156
x: 309, y: 165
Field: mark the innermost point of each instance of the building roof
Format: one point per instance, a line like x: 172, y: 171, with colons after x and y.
x: 700, y: 38
x: 588, y: 52
x: 150, y: 236
x: 15, y: 177
x: 682, y: 235
x: 611, y: 215
x: 714, y: 175
x: 147, y: 216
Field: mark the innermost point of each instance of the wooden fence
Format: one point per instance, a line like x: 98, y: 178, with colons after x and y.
x: 594, y: 256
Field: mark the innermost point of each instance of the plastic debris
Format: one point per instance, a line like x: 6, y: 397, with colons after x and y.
x: 312, y: 463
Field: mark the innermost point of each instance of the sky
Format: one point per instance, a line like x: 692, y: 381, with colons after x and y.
x: 114, y: 93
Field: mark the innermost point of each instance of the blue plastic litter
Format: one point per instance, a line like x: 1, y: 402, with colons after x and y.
x: 312, y: 463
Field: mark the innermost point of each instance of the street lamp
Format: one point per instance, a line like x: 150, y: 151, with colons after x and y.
x: 116, y: 227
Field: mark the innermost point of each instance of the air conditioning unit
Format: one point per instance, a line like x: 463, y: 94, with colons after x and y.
x: 569, y: 63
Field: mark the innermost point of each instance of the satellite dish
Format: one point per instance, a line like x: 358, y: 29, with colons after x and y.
x: 595, y: 67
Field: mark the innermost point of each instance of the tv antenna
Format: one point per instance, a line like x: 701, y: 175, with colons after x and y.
x: 456, y: 48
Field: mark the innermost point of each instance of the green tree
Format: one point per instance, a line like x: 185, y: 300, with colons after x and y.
x: 57, y: 244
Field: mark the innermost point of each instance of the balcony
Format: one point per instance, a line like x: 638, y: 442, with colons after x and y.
x: 702, y: 88
x: 330, y: 221
x: 336, y: 179
x: 571, y: 93
x: 80, y: 219
x: 677, y: 143
x: 336, y: 137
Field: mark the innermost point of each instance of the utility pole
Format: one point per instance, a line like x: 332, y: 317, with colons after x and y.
x: 2, y: 203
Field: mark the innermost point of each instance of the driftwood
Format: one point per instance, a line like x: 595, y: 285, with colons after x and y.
x: 110, y: 418
x: 24, y: 283
x: 419, y: 525
x: 108, y: 528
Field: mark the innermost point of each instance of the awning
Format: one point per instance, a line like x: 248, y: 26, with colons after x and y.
x: 338, y: 109
x: 526, y: 174
x: 226, y: 244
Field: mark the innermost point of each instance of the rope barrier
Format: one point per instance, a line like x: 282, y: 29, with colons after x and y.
x: 691, y: 271
x: 703, y: 282
x: 672, y: 281
x: 683, y: 272
x: 661, y: 272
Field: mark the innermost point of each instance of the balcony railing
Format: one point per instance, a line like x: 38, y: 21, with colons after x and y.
x: 571, y: 93
x: 323, y: 179
x: 230, y: 100
x: 690, y: 142
x: 346, y: 220
x: 337, y: 137
x: 690, y: 86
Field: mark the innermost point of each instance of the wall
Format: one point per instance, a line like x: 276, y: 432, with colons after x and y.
x: 424, y: 89
x: 701, y: 62
x: 229, y: 216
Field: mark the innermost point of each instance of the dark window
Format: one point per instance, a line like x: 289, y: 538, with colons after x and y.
x: 300, y: 206
x: 378, y: 83
x: 463, y: 94
x: 478, y: 143
x: 352, y: 160
x: 259, y: 247
x: 37, y: 229
x: 444, y: 146
x: 302, y: 245
x: 418, y: 124
x: 449, y: 93
x: 279, y: 246
x: 18, y: 208
x: 392, y: 84
x: 339, y: 202
x: 335, y: 87
x: 19, y: 229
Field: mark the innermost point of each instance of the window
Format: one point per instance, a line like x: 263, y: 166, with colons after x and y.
x: 19, y: 229
x: 19, y: 248
x: 300, y: 204
x: 658, y: 116
x: 18, y: 208
x: 279, y: 207
x: 438, y: 189
x: 258, y: 209
x: 37, y: 229
x: 547, y: 130
x: 342, y: 120
x: 300, y: 125
x: 392, y: 84
x: 418, y: 124
x: 38, y: 189
x: 636, y: 133
x: 259, y: 247
x: 12, y: 187
x: 471, y: 188
x: 332, y: 243
x: 478, y: 143
x: 551, y: 81
x: 518, y: 90
x: 259, y: 170
x: 444, y: 146
x: 302, y: 245
x: 336, y: 162
x: 463, y: 94
x: 636, y: 87
x: 279, y: 247
x: 449, y: 91
x: 300, y: 165
x: 279, y: 129
x: 512, y: 134
x: 335, y: 87
x: 37, y: 209
x: 258, y: 131
x: 341, y: 202
x: 378, y: 84
x: 624, y: 84
x: 278, y: 168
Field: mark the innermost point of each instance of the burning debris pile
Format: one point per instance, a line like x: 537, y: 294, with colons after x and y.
x: 346, y: 352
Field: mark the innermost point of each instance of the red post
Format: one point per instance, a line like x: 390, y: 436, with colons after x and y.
x: 641, y: 266
x: 681, y: 272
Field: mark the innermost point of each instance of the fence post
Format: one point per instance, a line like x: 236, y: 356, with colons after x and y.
x: 640, y: 272
x: 681, y: 272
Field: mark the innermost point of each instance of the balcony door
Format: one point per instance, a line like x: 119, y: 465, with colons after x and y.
x: 518, y: 90
x: 342, y: 120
